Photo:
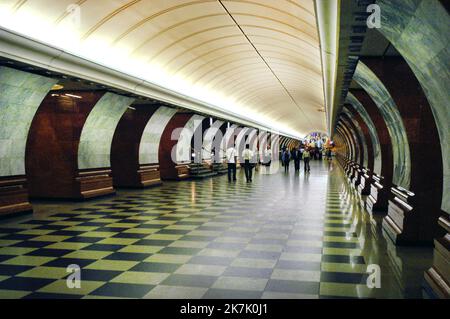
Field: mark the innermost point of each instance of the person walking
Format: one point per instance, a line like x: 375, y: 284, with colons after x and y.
x: 297, y: 156
x: 319, y: 149
x: 267, y: 158
x: 231, y: 162
x: 247, y: 154
x: 311, y: 149
x: 306, y: 158
x: 286, y: 159
x: 329, y: 154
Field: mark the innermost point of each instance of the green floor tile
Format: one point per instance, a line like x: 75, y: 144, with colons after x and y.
x: 121, y: 265
x: 60, y: 287
x: 45, y: 272
x: 240, y: 283
x: 134, y: 277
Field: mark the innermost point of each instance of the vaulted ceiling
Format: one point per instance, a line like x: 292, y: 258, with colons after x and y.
x: 258, y: 58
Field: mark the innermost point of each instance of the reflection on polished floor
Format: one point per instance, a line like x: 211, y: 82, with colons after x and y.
x: 283, y: 236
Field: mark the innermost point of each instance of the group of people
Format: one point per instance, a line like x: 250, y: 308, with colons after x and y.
x: 305, y: 152
x: 312, y: 150
x: 296, y: 154
x: 249, y: 162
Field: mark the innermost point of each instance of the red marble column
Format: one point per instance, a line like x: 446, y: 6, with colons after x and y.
x: 366, y: 134
x: 356, y: 138
x: 366, y: 172
x: 126, y: 170
x: 377, y: 201
x: 200, y: 132
x: 52, y: 148
x: 349, y: 158
x: 413, y: 217
x: 168, y: 168
x: 353, y: 166
x: 357, y: 173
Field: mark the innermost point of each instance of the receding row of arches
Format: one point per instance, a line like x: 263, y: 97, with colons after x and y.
x: 80, y: 143
x: 392, y: 133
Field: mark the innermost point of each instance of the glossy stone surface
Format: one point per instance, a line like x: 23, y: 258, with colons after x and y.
x: 351, y: 99
x: 283, y: 236
x: 357, y: 130
x: 21, y: 94
x: 98, y: 131
x: 183, y: 146
x: 425, y: 24
x: 209, y: 141
x: 149, y: 146
x: 353, y: 142
x: 400, y: 148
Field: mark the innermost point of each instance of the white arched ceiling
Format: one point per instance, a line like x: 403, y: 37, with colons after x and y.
x: 218, y: 51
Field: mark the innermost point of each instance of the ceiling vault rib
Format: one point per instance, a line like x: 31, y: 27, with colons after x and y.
x: 108, y: 17
x: 248, y: 61
x: 264, y: 60
x: 19, y: 4
x: 67, y: 12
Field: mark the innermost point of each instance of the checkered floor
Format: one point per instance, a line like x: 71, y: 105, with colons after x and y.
x: 282, y: 236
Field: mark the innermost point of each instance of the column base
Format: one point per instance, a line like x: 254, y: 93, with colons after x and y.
x: 392, y: 231
x: 14, y: 196
x: 182, y: 171
x: 377, y: 201
x: 149, y: 175
x: 365, y: 181
x: 91, y: 183
x: 402, y: 222
x: 363, y: 188
x: 357, y: 177
x: 178, y: 172
x: 437, y: 278
x: 398, y: 209
x: 351, y: 172
x: 144, y: 176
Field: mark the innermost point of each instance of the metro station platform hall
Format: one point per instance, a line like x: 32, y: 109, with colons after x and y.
x: 122, y: 122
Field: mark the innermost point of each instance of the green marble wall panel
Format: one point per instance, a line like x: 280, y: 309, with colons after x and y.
x: 252, y: 139
x: 151, y: 137
x: 96, y: 137
x: 349, y: 144
x: 351, y: 99
x: 388, y: 109
x: 356, y: 153
x: 183, y: 146
x: 240, y: 141
x: 359, y: 132
x: 21, y: 93
x: 419, y: 31
x: 241, y: 135
x: 208, y: 139
x: 229, y: 133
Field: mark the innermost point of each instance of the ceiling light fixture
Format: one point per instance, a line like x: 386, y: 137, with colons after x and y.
x: 74, y: 96
x: 57, y: 87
